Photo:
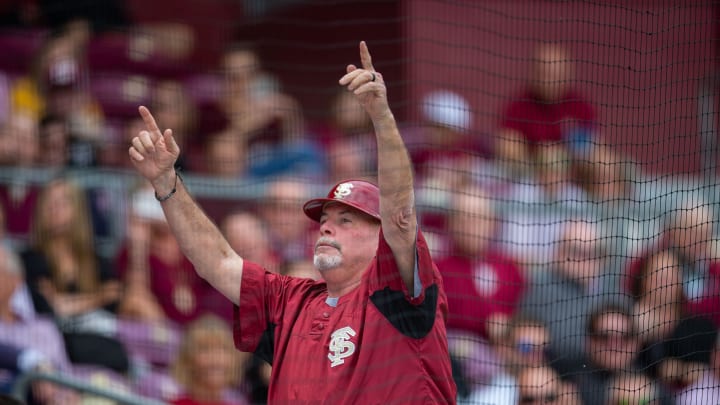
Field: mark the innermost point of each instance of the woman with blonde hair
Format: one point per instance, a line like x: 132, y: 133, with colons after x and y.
x: 208, y: 367
x: 65, y: 274
x: 68, y: 280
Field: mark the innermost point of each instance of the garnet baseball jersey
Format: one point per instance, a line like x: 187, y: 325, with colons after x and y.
x: 477, y: 288
x: 376, y: 345
x: 548, y: 122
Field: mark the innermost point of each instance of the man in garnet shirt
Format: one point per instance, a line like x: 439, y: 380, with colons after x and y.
x: 373, y: 331
x: 548, y: 110
x: 484, y: 286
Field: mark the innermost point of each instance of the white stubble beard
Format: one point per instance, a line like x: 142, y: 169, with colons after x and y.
x: 325, y: 262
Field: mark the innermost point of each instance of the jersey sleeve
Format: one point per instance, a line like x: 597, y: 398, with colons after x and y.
x: 386, y: 274
x: 412, y: 313
x: 264, y: 297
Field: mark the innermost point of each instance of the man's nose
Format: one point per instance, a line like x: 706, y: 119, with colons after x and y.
x: 326, y: 229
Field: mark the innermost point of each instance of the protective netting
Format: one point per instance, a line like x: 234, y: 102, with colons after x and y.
x: 565, y: 160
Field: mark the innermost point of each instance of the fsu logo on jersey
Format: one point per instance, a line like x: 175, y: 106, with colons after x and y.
x: 343, y: 190
x: 341, y: 346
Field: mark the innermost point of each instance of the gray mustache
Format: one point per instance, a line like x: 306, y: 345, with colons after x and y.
x: 324, y: 240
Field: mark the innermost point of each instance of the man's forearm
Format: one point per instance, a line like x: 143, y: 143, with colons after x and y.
x: 199, y: 238
x: 395, y: 175
x: 397, y: 201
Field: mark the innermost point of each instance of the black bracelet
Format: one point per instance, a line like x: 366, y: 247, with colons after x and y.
x: 172, y: 192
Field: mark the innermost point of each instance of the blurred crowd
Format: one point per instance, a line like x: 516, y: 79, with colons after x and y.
x: 570, y: 278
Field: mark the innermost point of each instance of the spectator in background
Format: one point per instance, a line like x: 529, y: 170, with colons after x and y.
x: 575, y: 282
x: 19, y: 143
x: 58, y: 86
x: 446, y: 135
x: 549, y: 109
x: 39, y: 344
x: 659, y: 301
x: 673, y: 340
x: 65, y: 275
x: 248, y: 235
x: 524, y: 343
x: 60, y: 149
x: 612, y: 348
x: 111, y: 153
x: 291, y: 235
x: 348, y: 140
x: 611, y: 185
x: 265, y: 123
x: 54, y: 142
x: 445, y: 153
x: 553, y: 181
x: 139, y: 301
x: 161, y: 283
x: 537, y: 210
x: 208, y: 367
x: 225, y: 157
x: 483, y: 285
x: 69, y: 280
x: 689, y: 234
x: 174, y: 109
x: 605, y: 175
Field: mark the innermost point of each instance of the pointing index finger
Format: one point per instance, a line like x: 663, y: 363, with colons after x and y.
x: 365, y: 57
x: 149, y: 121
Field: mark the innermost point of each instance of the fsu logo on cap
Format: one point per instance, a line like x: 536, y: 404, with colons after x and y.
x: 343, y: 190
x: 358, y: 194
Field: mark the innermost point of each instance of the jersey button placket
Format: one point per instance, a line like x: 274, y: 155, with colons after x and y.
x: 319, y: 324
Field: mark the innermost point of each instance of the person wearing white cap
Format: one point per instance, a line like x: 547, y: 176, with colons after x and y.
x: 373, y: 330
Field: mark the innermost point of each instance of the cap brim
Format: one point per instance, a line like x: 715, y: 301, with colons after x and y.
x: 314, y: 208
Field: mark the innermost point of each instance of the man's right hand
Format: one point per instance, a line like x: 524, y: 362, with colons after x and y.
x: 154, y: 153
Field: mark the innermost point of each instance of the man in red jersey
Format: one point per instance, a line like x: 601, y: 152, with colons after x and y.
x: 373, y: 331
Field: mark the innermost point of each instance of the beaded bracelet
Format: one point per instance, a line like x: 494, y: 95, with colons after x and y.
x: 172, y: 192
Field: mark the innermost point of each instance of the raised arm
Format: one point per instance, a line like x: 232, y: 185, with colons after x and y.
x: 395, y: 175
x: 154, y: 154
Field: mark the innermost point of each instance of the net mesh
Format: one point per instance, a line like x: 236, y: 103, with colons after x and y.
x: 565, y: 157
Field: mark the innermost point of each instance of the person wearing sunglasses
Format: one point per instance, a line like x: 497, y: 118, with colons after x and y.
x: 524, y: 344
x: 575, y: 280
x: 612, y: 346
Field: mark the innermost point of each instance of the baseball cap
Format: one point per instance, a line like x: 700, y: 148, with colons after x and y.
x: 447, y: 109
x: 359, y: 194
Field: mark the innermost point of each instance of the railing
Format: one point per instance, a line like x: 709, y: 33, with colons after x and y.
x: 631, y: 223
x: 23, y: 383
